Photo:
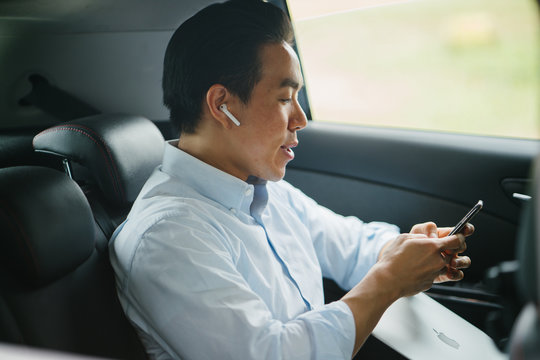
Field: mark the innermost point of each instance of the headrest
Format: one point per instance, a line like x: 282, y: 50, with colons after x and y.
x: 120, y: 151
x: 528, y: 243
x: 47, y: 224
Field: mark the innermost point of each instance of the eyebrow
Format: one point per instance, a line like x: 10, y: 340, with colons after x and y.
x: 288, y: 82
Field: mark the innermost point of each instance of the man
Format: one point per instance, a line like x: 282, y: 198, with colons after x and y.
x: 220, y: 258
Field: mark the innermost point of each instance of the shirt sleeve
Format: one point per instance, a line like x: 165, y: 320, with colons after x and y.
x: 346, y: 247
x: 206, y: 310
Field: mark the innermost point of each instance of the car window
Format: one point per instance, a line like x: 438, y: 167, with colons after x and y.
x: 468, y: 66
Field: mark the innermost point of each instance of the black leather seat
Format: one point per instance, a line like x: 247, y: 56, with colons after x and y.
x: 56, y: 290
x: 525, y: 339
x: 110, y: 156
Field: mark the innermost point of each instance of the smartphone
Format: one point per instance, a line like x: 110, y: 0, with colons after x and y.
x: 461, y: 224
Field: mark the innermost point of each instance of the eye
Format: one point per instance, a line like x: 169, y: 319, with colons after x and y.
x: 286, y: 101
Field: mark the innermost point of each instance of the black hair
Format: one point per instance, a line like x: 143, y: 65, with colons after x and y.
x: 218, y: 45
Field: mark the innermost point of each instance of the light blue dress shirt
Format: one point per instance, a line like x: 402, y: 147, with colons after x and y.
x: 212, y: 267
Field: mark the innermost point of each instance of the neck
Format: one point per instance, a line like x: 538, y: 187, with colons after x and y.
x: 211, y: 150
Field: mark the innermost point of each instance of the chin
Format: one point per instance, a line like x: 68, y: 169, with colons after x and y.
x: 274, y: 176
x: 279, y: 176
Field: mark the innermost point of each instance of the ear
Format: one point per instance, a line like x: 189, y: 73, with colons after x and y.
x: 216, y: 95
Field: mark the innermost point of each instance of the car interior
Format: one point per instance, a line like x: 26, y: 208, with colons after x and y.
x: 83, y: 126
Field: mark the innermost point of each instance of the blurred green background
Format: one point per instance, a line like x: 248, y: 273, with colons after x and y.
x: 468, y: 66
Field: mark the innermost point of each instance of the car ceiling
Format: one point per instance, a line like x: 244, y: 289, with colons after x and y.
x: 75, y: 16
x: 105, y: 53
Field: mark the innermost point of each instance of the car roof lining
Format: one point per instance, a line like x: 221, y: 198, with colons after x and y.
x: 76, y: 16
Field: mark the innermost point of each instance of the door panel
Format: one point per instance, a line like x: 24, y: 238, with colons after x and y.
x: 407, y: 177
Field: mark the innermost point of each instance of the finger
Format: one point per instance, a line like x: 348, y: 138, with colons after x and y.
x: 447, y: 259
x: 468, y: 230
x: 454, y: 274
x: 448, y: 274
x: 455, y: 252
x: 444, y: 231
x: 460, y: 262
x: 454, y: 244
x: 427, y: 228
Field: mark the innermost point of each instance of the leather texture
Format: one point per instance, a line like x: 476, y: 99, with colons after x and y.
x: 46, y: 222
x: 120, y: 151
x: 525, y: 338
x: 56, y: 290
x: 529, y: 242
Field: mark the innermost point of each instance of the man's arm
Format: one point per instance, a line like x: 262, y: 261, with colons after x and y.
x: 405, y: 265
x: 186, y: 292
x: 408, y: 265
x: 346, y: 247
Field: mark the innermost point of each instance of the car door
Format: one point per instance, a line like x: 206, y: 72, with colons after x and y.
x: 406, y: 176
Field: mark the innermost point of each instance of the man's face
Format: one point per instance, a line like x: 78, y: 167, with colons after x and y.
x: 269, y: 121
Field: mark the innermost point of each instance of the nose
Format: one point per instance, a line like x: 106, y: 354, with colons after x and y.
x: 298, y: 119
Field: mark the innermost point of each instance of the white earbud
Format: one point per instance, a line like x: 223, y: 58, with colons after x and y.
x: 223, y: 107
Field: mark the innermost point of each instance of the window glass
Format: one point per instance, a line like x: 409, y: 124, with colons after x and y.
x: 469, y: 66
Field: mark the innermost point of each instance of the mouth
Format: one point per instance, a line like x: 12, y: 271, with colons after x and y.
x: 288, y: 148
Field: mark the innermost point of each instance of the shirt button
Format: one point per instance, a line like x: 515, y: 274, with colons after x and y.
x: 233, y: 210
x: 248, y: 191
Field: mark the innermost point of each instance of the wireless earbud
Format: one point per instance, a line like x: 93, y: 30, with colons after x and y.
x: 223, y: 107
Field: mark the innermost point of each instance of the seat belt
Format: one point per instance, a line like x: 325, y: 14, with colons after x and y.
x: 55, y: 101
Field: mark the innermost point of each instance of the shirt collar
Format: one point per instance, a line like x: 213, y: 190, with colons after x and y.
x: 230, y: 191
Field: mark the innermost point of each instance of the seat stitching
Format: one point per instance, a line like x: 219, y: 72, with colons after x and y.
x: 111, y: 166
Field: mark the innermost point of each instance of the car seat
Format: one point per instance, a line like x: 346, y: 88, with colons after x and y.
x: 56, y: 290
x: 111, y: 156
x: 525, y: 338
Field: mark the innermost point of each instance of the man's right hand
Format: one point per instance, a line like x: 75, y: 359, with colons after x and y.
x: 415, y: 261
x: 407, y: 265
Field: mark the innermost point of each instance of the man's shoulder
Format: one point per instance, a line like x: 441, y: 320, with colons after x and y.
x: 164, y: 221
x: 177, y: 209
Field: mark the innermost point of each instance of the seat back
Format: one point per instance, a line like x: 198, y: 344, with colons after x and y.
x: 525, y: 339
x: 56, y: 290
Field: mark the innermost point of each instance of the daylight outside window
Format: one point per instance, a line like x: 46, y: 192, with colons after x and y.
x: 468, y: 66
